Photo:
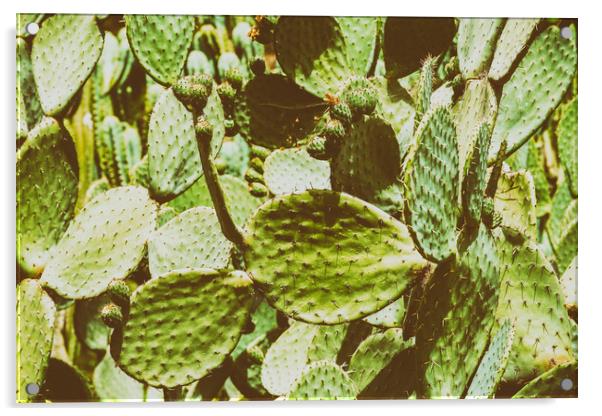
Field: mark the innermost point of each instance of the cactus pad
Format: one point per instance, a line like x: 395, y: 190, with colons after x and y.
x: 191, y: 240
x: 552, y: 383
x: 29, y: 110
x: 323, y: 380
x: 112, y: 384
x: 567, y: 143
x: 46, y: 193
x: 512, y: 41
x: 319, y: 238
x: 161, y: 43
x: 535, y: 89
x: 294, y: 171
x: 361, y: 38
x: 493, y: 364
x: 476, y: 43
x: 515, y: 202
x: 35, y: 328
x: 105, y: 241
x: 390, y: 316
x: 475, y: 178
x: 63, y: 54
x: 158, y: 318
x: 432, y: 175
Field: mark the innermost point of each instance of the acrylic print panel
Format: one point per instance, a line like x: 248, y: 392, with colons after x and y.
x: 299, y: 208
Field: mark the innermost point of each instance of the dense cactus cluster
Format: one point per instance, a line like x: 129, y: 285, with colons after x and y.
x: 260, y: 208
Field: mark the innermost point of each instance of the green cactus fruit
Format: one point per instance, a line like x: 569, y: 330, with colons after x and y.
x: 198, y: 64
x: 112, y: 316
x: 232, y: 74
x: 260, y: 151
x: 475, y: 178
x: 29, y: 109
x: 205, y: 297
x: 113, y: 385
x: 256, y: 164
x: 511, y: 42
x: 293, y: 171
x: 431, y: 174
x: 120, y: 293
x: 105, y: 241
x: 409, y: 40
x: 567, y: 143
x: 203, y: 129
x: 312, y: 51
x: 568, y: 284
x: 334, y: 131
x: 323, y: 380
x: 493, y: 364
x: 191, y: 240
x: 35, y: 328
x: 361, y: 96
x: 391, y: 316
x: 361, y: 39
x: 477, y: 39
x: 111, y: 63
x: 89, y: 327
x: 298, y: 346
x: 425, y: 90
x: 515, y: 202
x: 252, y: 176
x: 374, y: 354
x: 368, y: 163
x: 530, y: 295
x: 477, y: 106
x: 318, y: 148
x: 227, y: 95
x: 193, y: 91
x: 560, y: 381
x: 258, y: 190
x: 307, y: 286
x: 139, y: 174
x: 66, y: 383
x: 456, y: 317
x: 536, y: 87
x: 46, y: 193
x: 161, y: 43
x: 341, y: 112
x: 565, y: 245
x: 272, y: 111
x: 64, y: 54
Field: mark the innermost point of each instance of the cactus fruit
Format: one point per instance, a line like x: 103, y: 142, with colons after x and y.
x: 106, y: 240
x: 46, y: 193
x: 112, y: 316
x: 294, y: 171
x: 35, y: 327
x: 63, y: 55
x: 160, y: 44
x: 204, y: 296
x: 193, y: 90
x: 331, y: 221
x: 361, y: 97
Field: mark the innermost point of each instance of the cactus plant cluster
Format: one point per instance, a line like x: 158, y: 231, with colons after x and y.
x: 298, y: 208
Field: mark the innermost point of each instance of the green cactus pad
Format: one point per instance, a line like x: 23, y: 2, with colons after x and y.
x: 264, y: 320
x: 320, y: 237
x: 512, y: 41
x: 368, y: 163
x: 35, y: 328
x: 161, y: 43
x: 293, y: 171
x: 323, y: 380
x: 46, y: 193
x: 515, y: 202
x: 312, y: 51
x: 119, y: 148
x: 139, y: 174
x: 96, y: 188
x: 274, y: 112
x: 455, y: 318
x: 431, y: 174
x: 475, y: 178
x: 565, y: 245
x: 157, y: 318
x: 235, y: 153
x: 477, y: 106
x: 476, y: 43
x: 536, y: 164
x: 64, y: 53
x: 361, y: 38
x: 29, y: 109
x: 422, y: 101
x: 493, y: 364
x: 111, y: 63
x: 105, y: 241
x: 173, y: 155
x: 562, y: 199
x: 294, y: 349
x: 89, y: 327
x: 530, y: 295
x: 66, y: 383
x: 567, y: 143
x: 534, y: 90
x: 409, y: 40
x: 192, y: 240
x: 113, y: 385
x: 374, y: 354
x: 568, y: 284
x: 165, y: 214
x: 391, y: 316
x: 552, y: 383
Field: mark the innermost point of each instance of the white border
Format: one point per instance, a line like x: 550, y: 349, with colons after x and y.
x: 590, y: 140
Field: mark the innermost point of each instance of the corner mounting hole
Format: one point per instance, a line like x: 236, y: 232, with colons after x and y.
x: 32, y: 28
x: 566, y: 384
x: 32, y: 389
x: 566, y: 32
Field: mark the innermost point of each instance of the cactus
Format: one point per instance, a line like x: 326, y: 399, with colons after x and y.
x: 296, y: 208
